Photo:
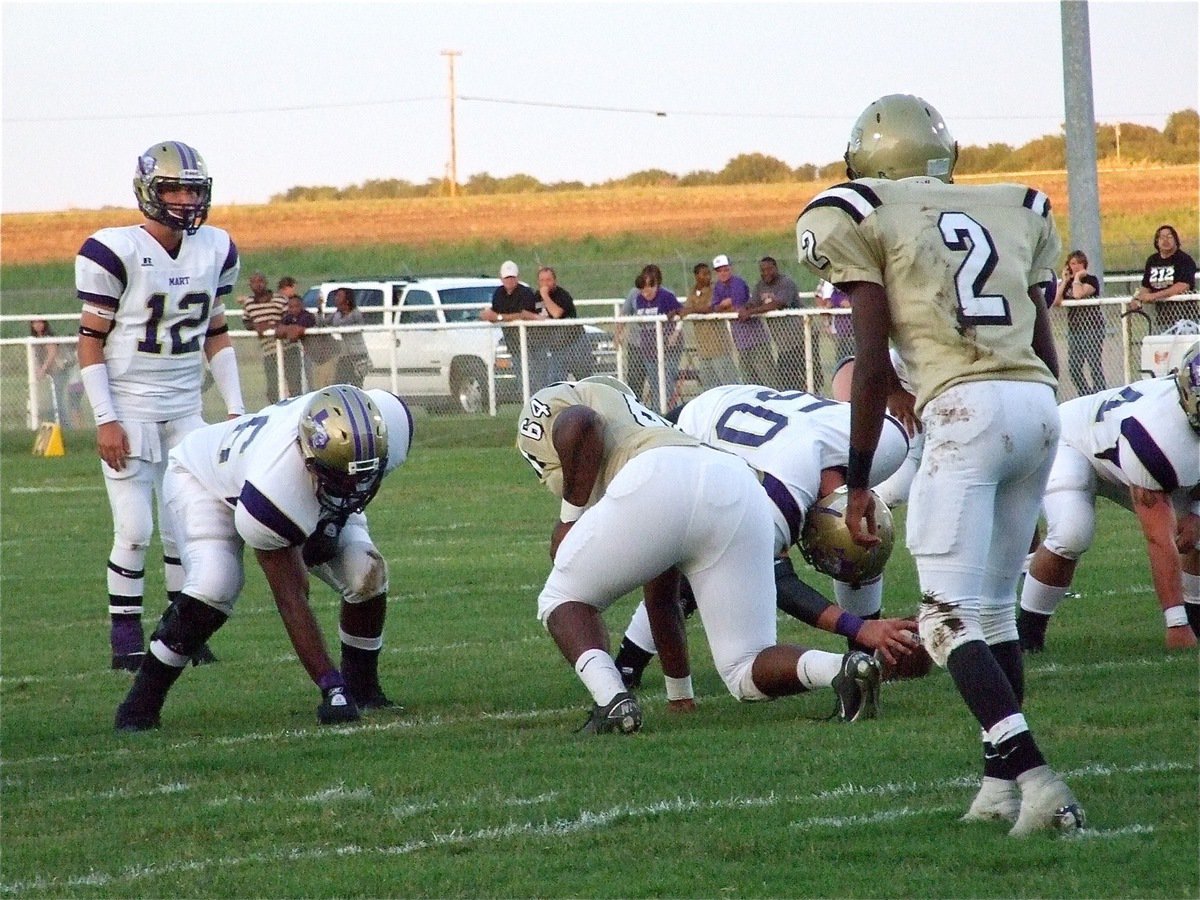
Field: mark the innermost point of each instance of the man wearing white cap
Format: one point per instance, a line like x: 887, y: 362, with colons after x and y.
x: 732, y: 294
x: 510, y: 302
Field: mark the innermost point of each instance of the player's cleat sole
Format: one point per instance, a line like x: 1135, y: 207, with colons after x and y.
x: 127, y: 662
x: 204, y: 656
x: 622, y: 715
x: 998, y: 800
x: 1047, y: 804
x: 857, y: 687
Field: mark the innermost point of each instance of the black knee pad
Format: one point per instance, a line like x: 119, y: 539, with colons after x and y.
x: 187, y: 625
x: 794, y: 597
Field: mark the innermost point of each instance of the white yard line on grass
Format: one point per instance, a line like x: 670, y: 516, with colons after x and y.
x: 583, y: 820
x: 56, y: 489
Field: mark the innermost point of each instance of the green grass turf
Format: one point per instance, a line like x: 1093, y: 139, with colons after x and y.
x: 480, y: 786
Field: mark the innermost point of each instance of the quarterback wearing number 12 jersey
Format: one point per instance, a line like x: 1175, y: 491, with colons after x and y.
x: 956, y: 261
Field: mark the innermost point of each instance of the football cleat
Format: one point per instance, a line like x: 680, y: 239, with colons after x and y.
x: 204, y: 656
x: 857, y: 687
x: 998, y: 800
x: 337, y: 707
x: 128, y: 662
x: 1031, y: 629
x: 622, y: 715
x: 371, y: 696
x: 1047, y: 804
x: 132, y: 716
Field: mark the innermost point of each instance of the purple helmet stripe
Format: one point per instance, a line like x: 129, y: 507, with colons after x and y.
x: 186, y: 157
x: 346, y: 398
x: 368, y: 429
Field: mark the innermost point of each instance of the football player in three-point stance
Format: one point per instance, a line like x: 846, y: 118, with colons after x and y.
x: 798, y: 442
x: 152, y: 304
x: 1136, y: 446
x: 643, y: 504
x: 952, y: 275
x: 291, y: 482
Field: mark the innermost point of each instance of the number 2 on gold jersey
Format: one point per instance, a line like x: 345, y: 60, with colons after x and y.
x: 962, y: 233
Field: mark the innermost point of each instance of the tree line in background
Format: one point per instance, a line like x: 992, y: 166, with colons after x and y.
x: 1122, y: 144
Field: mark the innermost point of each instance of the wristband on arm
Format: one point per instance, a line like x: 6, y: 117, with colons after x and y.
x: 858, y: 469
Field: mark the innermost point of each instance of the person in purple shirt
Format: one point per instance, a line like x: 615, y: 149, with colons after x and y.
x: 652, y: 299
x: 750, y: 337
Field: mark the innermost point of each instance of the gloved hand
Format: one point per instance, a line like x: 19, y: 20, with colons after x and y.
x: 322, y: 544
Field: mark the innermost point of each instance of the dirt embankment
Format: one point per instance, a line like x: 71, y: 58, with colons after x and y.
x: 531, y: 218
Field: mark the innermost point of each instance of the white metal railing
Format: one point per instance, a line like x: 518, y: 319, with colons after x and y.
x: 610, y: 321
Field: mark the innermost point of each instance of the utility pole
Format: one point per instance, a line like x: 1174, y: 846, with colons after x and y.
x: 450, y: 54
x: 1083, y: 189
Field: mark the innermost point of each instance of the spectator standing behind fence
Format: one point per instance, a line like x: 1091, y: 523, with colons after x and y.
x: 1085, y: 324
x: 652, y: 299
x: 1169, y: 271
x: 511, y: 302
x: 714, y: 348
x: 777, y: 291
x: 54, y: 363
x: 732, y: 294
x: 627, y: 338
x: 295, y: 322
x: 261, y: 312
x: 353, y: 362
x: 841, y: 328
x: 567, y: 345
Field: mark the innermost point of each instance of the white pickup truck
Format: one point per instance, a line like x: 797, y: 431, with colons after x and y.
x: 439, y: 366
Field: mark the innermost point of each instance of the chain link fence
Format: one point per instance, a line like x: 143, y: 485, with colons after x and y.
x: 1099, y: 345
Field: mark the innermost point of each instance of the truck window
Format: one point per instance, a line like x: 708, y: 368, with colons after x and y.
x: 418, y: 308
x: 453, y: 299
x: 370, y: 301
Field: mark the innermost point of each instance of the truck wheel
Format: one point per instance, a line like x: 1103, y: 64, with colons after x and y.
x: 469, y: 387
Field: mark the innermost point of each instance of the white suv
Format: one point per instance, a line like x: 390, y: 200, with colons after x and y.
x: 435, y: 365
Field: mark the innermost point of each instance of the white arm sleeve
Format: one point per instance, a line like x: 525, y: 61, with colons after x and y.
x: 225, y: 373
x: 95, y: 385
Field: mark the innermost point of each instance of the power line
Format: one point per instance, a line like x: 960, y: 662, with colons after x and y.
x: 541, y: 104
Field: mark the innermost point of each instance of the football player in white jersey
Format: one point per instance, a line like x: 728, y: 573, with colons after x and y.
x: 798, y: 442
x: 643, y: 504
x: 153, y: 306
x: 1138, y: 447
x: 290, y: 481
x: 952, y: 275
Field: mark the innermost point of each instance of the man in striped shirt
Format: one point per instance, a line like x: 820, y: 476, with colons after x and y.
x: 261, y: 311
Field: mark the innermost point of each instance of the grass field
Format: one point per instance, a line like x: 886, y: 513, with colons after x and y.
x: 481, y: 788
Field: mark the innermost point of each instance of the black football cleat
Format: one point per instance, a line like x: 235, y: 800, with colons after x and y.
x: 130, y: 717
x: 1031, y: 630
x: 337, y: 708
x: 622, y: 715
x: 128, y: 662
x: 204, y: 656
x: 857, y: 687
x: 368, y: 697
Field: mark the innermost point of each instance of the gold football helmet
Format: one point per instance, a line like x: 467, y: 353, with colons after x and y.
x: 828, y: 547
x: 1187, y: 380
x: 899, y: 136
x: 345, y: 444
x: 167, y: 165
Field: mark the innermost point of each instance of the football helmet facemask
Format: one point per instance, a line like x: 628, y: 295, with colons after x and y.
x: 1187, y: 382
x: 899, y: 136
x: 827, y: 545
x: 345, y: 443
x: 171, y: 165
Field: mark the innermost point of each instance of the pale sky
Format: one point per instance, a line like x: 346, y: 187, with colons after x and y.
x: 276, y: 95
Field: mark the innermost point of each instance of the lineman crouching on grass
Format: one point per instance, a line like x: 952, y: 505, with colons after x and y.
x: 292, y: 482
x: 643, y: 504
